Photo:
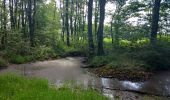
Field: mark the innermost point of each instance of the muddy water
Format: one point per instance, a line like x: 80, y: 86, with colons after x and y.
x: 69, y: 69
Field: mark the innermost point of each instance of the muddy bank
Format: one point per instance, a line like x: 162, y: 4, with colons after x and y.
x: 122, y: 74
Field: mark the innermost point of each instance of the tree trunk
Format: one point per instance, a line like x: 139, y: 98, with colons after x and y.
x: 101, y: 27
x: 67, y: 24
x: 15, y: 13
x: 155, y: 20
x: 23, y: 19
x: 90, y: 34
x: 33, y: 23
x: 11, y: 10
x: 96, y: 18
x: 4, y: 36
x: 111, y: 30
x: 63, y: 20
x: 30, y: 19
x: 71, y: 17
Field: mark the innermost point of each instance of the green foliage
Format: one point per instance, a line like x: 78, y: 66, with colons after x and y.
x: 18, y: 59
x: 16, y: 42
x: 98, y: 61
x: 136, y: 55
x: 125, y: 43
x: 43, y: 52
x: 3, y: 63
x: 120, y: 59
x: 156, y: 57
x: 14, y: 87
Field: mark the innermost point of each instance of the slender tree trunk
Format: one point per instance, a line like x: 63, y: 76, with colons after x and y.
x: 30, y: 19
x: 23, y: 18
x: 15, y: 13
x: 4, y: 36
x: 79, y: 21
x: 116, y: 26
x: 67, y: 24
x: 63, y: 20
x: 84, y: 17
x: 71, y: 18
x: 1, y: 11
x: 90, y: 34
x: 96, y: 18
x: 11, y: 10
x: 101, y: 27
x: 155, y: 20
x: 75, y: 22
x: 33, y: 23
x: 111, y: 30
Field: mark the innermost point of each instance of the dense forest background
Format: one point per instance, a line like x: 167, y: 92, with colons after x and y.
x: 137, y: 34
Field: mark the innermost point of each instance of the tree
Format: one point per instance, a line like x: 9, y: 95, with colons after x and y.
x: 102, y: 4
x: 63, y: 19
x: 71, y: 17
x: 67, y: 24
x: 4, y: 24
x: 155, y: 20
x: 30, y: 20
x: 96, y: 17
x: 11, y: 10
x: 90, y: 35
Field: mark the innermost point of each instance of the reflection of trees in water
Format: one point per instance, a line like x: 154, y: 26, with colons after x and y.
x: 160, y: 84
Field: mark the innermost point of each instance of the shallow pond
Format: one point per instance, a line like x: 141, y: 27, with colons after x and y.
x: 69, y: 69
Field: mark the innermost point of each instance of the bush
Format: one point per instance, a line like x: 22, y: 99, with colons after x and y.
x: 156, y: 60
x: 98, y: 61
x: 3, y: 63
x: 17, y: 59
x: 43, y: 52
x: 138, y: 56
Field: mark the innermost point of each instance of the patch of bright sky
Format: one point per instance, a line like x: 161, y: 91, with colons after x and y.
x: 110, y: 9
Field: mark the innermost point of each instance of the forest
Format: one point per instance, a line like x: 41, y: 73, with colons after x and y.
x: 117, y: 39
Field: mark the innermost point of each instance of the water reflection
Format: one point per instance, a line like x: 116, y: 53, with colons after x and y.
x: 158, y: 85
x: 132, y: 85
x: 116, y: 84
x: 113, y: 88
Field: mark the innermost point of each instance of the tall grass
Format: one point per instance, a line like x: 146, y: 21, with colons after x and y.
x: 14, y: 87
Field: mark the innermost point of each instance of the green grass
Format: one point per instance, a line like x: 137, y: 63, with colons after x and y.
x: 14, y: 87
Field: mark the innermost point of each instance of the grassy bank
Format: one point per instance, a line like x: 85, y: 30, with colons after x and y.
x: 13, y: 87
x: 39, y: 53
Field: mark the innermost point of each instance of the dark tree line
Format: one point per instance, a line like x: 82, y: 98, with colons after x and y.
x: 74, y: 21
x: 74, y: 11
x: 21, y: 15
x: 82, y: 21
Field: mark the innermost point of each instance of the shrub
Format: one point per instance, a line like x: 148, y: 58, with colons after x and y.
x: 3, y: 63
x: 99, y: 61
x: 17, y: 59
x: 43, y: 52
x: 157, y: 60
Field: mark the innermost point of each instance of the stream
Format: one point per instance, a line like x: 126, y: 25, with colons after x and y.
x: 69, y: 69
